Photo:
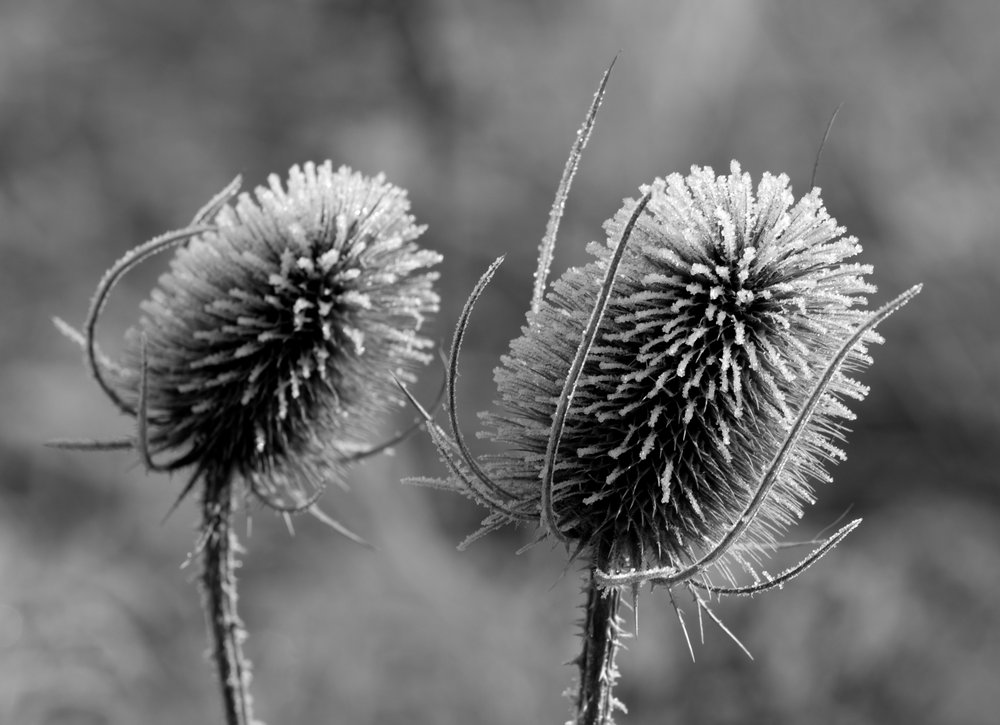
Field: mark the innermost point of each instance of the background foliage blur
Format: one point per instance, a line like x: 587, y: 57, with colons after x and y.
x: 118, y: 119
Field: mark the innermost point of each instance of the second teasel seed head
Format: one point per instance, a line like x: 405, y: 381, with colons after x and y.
x: 269, y: 348
x: 264, y: 357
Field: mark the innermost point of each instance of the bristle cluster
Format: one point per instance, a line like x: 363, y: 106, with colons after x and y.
x: 272, y: 341
x: 728, y: 305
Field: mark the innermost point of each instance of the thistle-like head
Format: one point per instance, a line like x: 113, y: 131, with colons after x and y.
x: 269, y: 348
x: 727, y: 306
x: 668, y: 406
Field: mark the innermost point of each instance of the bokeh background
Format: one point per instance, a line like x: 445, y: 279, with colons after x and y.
x: 118, y: 119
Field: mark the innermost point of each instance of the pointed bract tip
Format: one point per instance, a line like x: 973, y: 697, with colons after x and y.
x: 320, y: 515
x: 118, y: 444
x: 70, y: 332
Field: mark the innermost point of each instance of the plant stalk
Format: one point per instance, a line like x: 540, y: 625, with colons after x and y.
x: 219, y: 595
x: 602, y: 631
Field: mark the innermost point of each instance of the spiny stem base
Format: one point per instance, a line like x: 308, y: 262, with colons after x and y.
x: 218, y: 579
x: 602, y: 632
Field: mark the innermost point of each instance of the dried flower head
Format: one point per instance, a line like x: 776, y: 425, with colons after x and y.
x: 669, y: 404
x: 685, y: 387
x: 652, y: 390
x: 265, y: 355
x: 268, y: 349
x: 727, y: 306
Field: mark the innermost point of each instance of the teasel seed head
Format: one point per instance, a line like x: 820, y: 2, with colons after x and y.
x: 727, y: 307
x: 268, y: 350
x: 668, y: 406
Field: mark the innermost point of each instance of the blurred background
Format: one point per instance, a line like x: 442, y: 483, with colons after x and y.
x: 118, y: 119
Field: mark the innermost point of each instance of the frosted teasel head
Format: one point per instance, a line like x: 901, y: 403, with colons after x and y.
x: 269, y: 348
x: 669, y: 404
x: 728, y: 303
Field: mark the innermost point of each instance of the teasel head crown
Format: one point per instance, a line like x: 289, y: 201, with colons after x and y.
x: 269, y: 348
x: 670, y: 403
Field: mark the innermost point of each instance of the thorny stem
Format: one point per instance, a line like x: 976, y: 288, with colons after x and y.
x: 595, y: 702
x: 219, y: 597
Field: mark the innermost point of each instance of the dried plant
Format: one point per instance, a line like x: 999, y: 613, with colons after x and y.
x: 667, y: 406
x: 265, y: 356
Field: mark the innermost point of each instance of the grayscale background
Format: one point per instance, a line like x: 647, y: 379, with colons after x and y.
x: 118, y: 119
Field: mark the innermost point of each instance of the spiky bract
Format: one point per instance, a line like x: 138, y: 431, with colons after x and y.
x: 728, y: 305
x: 272, y: 341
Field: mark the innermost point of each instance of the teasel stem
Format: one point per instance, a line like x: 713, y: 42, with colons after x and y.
x: 602, y: 631
x: 225, y: 627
